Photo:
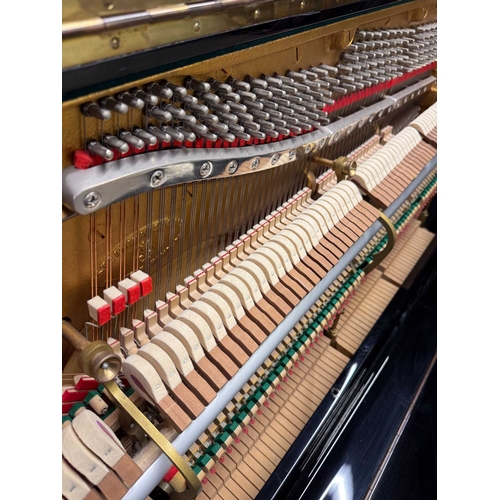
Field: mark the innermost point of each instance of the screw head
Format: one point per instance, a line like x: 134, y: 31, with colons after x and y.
x: 389, y: 109
x: 307, y: 149
x: 206, y: 169
x: 380, y: 113
x: 322, y: 142
x: 197, y: 26
x: 232, y: 166
x: 361, y: 123
x: 92, y: 200
x: 256, y: 14
x: 115, y: 42
x: 255, y: 163
x: 302, y: 4
x: 335, y: 137
x: 291, y: 154
x: 132, y: 425
x: 275, y: 158
x: 349, y: 128
x: 157, y: 178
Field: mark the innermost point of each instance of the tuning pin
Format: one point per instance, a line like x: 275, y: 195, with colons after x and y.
x: 98, y: 149
x: 131, y: 140
x: 230, y: 97
x: 220, y: 107
x: 147, y: 98
x: 95, y: 111
x: 269, y: 105
x: 197, y: 107
x: 207, y: 118
x: 331, y: 69
x: 246, y: 116
x: 177, y: 90
x: 197, y: 128
x: 227, y: 117
x: 319, y: 71
x: 114, y: 105
x: 159, y: 114
x: 149, y: 139
x: 250, y: 126
x: 188, y: 135
x: 238, y: 84
x: 270, y: 132
x: 218, y: 127
x: 282, y: 130
x: 159, y: 90
x: 223, y: 88
x: 130, y: 100
x: 253, y: 104
x: 238, y: 131
x: 208, y: 97
x: 113, y: 142
x: 237, y: 106
x: 256, y: 82
x: 272, y: 80
x: 262, y: 94
x: 277, y: 91
x: 176, y: 112
x: 296, y: 76
x: 194, y: 84
x: 227, y: 136
x: 289, y: 89
x: 172, y: 132
x: 257, y: 134
x: 159, y: 134
x: 261, y: 115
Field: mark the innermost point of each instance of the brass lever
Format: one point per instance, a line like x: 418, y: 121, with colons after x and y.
x: 391, y: 237
x: 99, y: 361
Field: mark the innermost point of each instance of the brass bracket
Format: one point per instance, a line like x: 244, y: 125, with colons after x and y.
x: 96, y: 358
x: 391, y: 235
x: 193, y: 483
x: 344, y: 167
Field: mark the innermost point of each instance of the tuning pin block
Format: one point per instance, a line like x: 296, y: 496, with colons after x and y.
x: 131, y: 290
x: 99, y: 310
x: 115, y: 299
x: 144, y: 281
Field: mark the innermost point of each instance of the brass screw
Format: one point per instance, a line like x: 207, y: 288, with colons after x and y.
x: 115, y: 42
x: 256, y: 14
x: 302, y: 4
x: 197, y: 26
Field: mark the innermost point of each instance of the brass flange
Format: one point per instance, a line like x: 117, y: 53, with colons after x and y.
x: 344, y: 167
x: 97, y: 359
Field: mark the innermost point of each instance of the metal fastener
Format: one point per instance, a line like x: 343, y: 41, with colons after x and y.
x: 275, y: 158
x: 307, y: 149
x: 361, y: 123
x: 322, y: 142
x: 92, y: 200
x: 291, y: 154
x: 255, y: 163
x: 349, y: 128
x: 232, y: 166
x: 197, y: 26
x: 206, y: 169
x: 115, y: 42
x: 256, y: 14
x: 157, y: 178
x: 302, y: 4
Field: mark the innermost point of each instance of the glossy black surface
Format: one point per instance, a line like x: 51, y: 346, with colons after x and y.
x: 81, y: 80
x: 339, y: 452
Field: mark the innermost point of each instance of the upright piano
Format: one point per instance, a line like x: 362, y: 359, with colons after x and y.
x: 249, y: 249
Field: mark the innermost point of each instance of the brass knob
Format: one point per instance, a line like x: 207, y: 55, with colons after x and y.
x: 96, y: 358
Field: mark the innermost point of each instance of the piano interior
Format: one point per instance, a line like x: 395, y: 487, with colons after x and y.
x: 235, y: 223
